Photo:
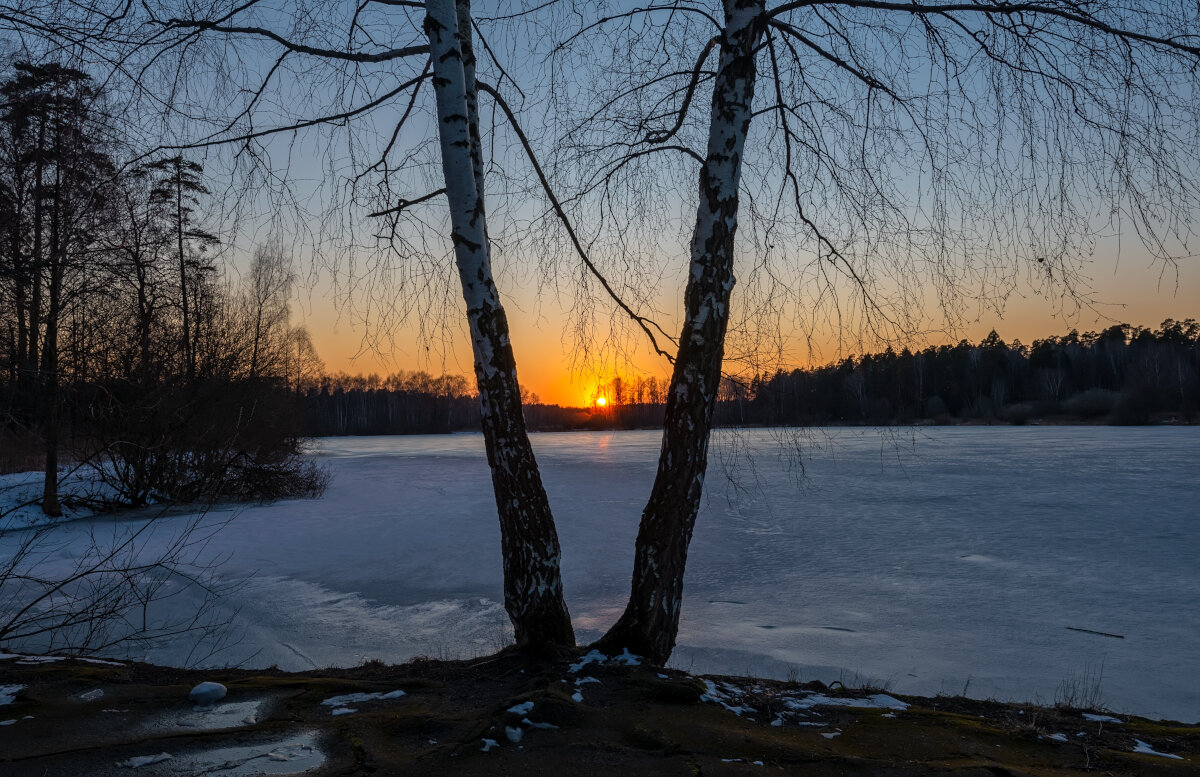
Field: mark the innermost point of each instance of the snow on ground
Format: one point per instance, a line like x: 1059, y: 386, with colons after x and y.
x: 798, y: 706
x: 876, y: 701
x: 962, y: 555
x: 340, y: 704
x: 144, y: 760
x: 1141, y: 747
x: 21, y: 494
x: 8, y: 693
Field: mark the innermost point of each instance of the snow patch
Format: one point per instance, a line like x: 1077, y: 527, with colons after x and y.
x: 1101, y: 718
x: 488, y: 744
x: 543, y: 726
x: 878, y: 701
x: 340, y: 702
x: 723, y: 695
x: 144, y: 760
x: 8, y: 693
x: 596, y: 657
x: 524, y: 708
x: 1142, y: 747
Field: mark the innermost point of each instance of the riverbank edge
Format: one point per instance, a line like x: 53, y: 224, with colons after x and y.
x: 78, y: 716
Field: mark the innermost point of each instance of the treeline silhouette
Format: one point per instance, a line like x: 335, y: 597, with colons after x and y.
x: 1123, y: 374
x: 125, y: 346
x: 401, y: 403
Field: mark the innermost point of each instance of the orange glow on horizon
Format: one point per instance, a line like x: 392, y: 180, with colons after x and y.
x: 549, y: 367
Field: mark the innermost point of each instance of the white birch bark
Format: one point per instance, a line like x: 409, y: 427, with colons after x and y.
x: 532, y: 581
x: 650, y: 622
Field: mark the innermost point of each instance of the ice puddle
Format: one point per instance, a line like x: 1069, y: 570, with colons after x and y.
x: 295, y: 754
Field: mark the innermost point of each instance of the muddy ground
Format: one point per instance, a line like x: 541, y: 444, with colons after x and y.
x: 74, y: 717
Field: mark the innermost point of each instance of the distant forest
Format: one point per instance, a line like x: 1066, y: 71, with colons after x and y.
x: 1122, y: 375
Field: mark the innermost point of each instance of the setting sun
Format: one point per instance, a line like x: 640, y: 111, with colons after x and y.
x: 601, y: 401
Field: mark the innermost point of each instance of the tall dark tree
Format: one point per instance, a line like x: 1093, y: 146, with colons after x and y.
x: 179, y: 185
x: 51, y: 121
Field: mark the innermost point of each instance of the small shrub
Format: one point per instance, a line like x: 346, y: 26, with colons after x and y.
x: 1093, y: 403
x: 1018, y: 414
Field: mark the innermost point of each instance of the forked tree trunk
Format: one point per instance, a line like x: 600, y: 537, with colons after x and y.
x: 650, y: 622
x: 529, y: 543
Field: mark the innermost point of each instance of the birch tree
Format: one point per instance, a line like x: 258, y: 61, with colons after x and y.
x: 533, y: 593
x: 902, y: 151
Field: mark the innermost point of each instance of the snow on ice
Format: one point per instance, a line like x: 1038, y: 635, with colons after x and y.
x: 980, y: 580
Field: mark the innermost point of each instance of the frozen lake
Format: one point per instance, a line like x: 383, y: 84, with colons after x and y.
x: 935, y: 559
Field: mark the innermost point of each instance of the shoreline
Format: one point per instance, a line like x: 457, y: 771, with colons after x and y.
x: 573, y: 713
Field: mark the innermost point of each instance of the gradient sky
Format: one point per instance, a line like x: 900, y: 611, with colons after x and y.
x: 1131, y: 290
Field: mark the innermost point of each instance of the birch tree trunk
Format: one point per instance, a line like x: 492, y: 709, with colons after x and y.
x: 650, y: 622
x: 529, y: 542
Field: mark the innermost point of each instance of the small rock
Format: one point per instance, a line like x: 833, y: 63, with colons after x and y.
x: 207, y: 693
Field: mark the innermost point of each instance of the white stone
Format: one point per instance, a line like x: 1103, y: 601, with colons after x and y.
x: 207, y: 693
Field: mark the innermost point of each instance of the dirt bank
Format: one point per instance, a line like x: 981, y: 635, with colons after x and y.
x: 511, y: 715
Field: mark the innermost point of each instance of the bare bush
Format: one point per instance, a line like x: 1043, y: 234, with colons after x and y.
x: 109, y: 585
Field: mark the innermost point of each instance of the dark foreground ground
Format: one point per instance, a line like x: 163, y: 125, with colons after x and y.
x: 597, y: 719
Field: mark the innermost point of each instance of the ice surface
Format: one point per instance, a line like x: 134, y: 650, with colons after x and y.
x: 144, y: 760
x: 208, y: 718
x: 355, y: 698
x: 922, y: 559
x: 878, y: 701
x: 8, y: 693
x: 293, y: 755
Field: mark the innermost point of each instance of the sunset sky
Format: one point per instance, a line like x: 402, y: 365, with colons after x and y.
x: 1132, y: 290
x: 1005, y: 226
